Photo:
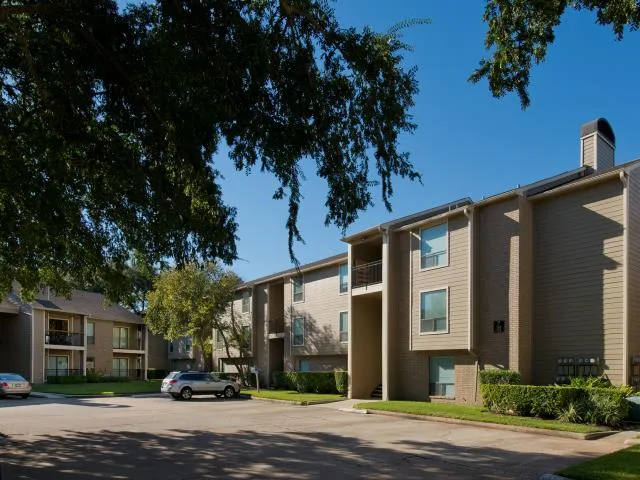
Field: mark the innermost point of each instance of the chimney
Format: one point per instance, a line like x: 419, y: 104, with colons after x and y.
x: 597, y: 145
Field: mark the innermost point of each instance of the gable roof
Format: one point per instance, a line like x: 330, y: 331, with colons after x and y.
x: 94, y: 305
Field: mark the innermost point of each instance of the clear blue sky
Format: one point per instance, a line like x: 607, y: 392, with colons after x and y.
x: 467, y: 143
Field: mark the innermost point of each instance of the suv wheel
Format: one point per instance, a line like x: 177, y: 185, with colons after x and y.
x: 186, y: 393
x: 229, y: 392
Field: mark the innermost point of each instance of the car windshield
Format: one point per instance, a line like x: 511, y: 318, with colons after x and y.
x: 11, y: 376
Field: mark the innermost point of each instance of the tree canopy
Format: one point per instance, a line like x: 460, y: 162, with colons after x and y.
x: 192, y: 302
x: 111, y: 123
x: 520, y: 31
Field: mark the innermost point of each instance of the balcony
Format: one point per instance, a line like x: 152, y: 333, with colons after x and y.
x: 63, y: 338
x: 367, y: 275
x: 276, y: 328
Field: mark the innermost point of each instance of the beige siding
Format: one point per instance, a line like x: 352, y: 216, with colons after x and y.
x: 38, y: 345
x: 261, y: 330
x: 454, y: 277
x: 633, y: 265
x: 588, y: 151
x: 102, y: 350
x: 320, y: 309
x: 578, y: 279
x: 605, y: 154
x: 157, y: 351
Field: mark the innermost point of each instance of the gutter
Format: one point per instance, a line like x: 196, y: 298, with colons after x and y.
x: 594, y: 178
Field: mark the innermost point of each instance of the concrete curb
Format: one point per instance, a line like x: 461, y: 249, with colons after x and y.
x: 361, y: 411
x: 497, y: 426
x: 632, y: 441
x: 60, y: 395
x: 302, y: 403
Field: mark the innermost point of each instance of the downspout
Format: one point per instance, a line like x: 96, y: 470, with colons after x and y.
x: 468, y: 212
x: 386, y: 285
x: 625, y: 277
x: 410, y: 291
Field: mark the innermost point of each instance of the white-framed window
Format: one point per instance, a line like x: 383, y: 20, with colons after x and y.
x: 120, y: 337
x: 343, y: 274
x: 442, y: 376
x: 298, y: 331
x: 91, y: 333
x: 246, y: 337
x: 297, y: 288
x: 246, y: 301
x: 434, y: 246
x: 57, y: 365
x: 344, y: 327
x: 434, y: 311
x: 120, y: 367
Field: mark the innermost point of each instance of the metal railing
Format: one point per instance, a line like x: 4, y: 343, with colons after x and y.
x: 62, y: 372
x: 136, y: 373
x: 60, y: 337
x: 367, y: 274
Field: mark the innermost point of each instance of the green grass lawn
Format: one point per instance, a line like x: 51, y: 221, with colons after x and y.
x: 139, y: 386
x: 620, y: 465
x: 293, y: 396
x: 476, y: 414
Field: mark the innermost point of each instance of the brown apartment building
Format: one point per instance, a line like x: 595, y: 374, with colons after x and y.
x: 543, y: 279
x: 56, y: 336
x: 297, y: 319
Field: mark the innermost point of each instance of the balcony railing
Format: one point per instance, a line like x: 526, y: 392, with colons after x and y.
x: 60, y: 337
x: 136, y: 373
x: 367, y: 274
x: 61, y: 372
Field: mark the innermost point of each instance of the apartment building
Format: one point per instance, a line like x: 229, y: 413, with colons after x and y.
x: 543, y: 279
x: 182, y: 355
x: 56, y: 336
x: 296, y: 319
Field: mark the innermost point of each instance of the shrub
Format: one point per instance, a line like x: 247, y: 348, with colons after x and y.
x: 314, y: 382
x: 94, y: 377
x: 499, y: 376
x: 591, y: 382
x: 279, y: 380
x: 156, y: 374
x: 66, y: 379
x: 601, y: 406
x: 342, y: 381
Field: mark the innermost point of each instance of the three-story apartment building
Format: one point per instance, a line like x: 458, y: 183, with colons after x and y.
x: 58, y: 336
x: 543, y: 279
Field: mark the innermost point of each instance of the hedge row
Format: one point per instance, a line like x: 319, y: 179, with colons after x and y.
x: 312, y: 382
x: 497, y: 376
x: 601, y: 406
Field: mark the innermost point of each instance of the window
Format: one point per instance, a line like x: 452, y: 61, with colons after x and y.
x: 120, y: 337
x: 344, y: 278
x: 219, y: 339
x: 344, y: 327
x: 57, y: 365
x: 91, y: 333
x: 298, y: 331
x: 245, y: 338
x: 246, y: 301
x: 58, y: 325
x: 170, y: 347
x: 305, y: 366
x: 442, y: 376
x: 298, y: 289
x: 120, y: 366
x: 434, y: 246
x: 433, y: 312
x: 91, y: 364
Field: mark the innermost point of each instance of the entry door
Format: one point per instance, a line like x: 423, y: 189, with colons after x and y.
x: 58, y: 365
x: 305, y: 366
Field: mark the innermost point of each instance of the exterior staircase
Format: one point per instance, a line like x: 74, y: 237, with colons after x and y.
x: 377, y: 392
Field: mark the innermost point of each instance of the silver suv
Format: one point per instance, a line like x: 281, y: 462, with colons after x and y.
x: 184, y: 385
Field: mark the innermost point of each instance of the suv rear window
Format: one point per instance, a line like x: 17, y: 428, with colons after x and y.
x: 11, y: 376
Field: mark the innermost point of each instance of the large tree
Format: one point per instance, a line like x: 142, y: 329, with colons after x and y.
x: 520, y: 31
x: 192, y: 301
x: 111, y: 122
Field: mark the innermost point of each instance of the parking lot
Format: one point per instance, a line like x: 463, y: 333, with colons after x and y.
x: 154, y: 437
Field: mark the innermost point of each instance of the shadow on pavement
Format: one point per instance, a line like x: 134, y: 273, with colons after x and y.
x: 182, y: 454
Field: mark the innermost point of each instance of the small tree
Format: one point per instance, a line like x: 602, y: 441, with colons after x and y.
x: 236, y: 339
x: 191, y: 301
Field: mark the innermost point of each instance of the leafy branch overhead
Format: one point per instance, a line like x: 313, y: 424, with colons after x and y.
x: 520, y: 32
x: 111, y: 123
